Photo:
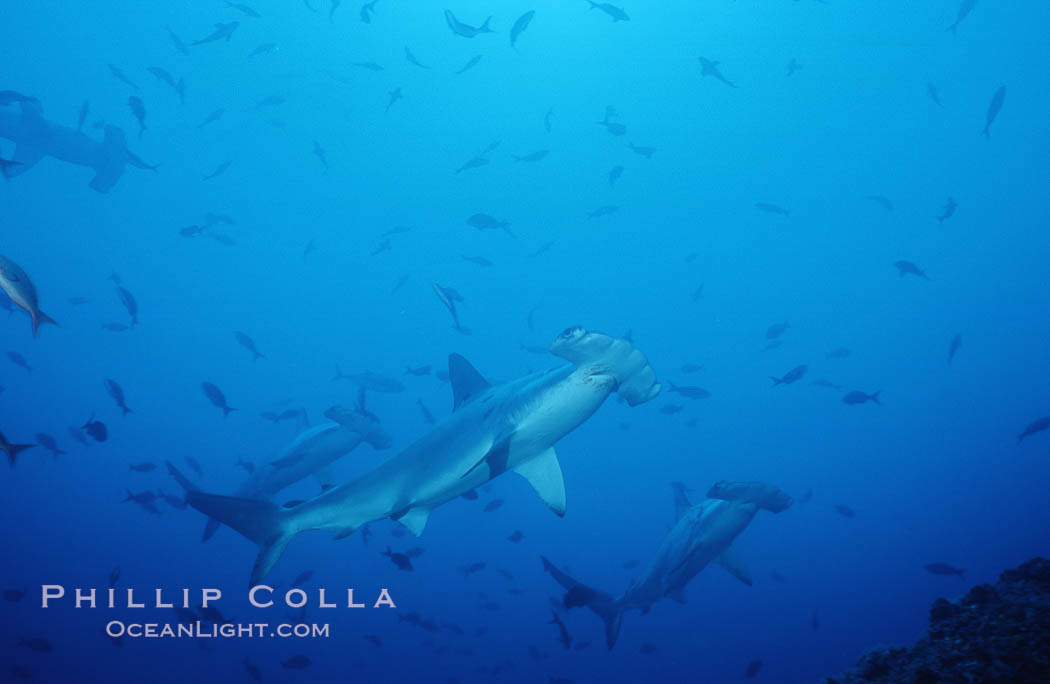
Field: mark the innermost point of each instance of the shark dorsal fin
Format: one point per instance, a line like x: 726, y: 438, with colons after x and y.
x: 466, y: 381
x: 544, y: 474
x: 731, y: 562
x: 681, y: 501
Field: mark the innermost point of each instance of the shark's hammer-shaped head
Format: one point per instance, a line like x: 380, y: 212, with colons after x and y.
x: 613, y: 356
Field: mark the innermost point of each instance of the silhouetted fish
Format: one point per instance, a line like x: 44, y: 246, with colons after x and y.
x: 249, y: 344
x: 710, y: 68
x: 402, y: 561
x: 945, y: 569
x: 1037, y: 425
x: 845, y: 511
x: 520, y: 24
x: 953, y: 347
x: 117, y: 393
x: 949, y: 210
x: 993, y: 110
x: 613, y: 11
x: 216, y: 397
x: 793, y: 375
x: 466, y: 30
x: 908, y: 268
x: 858, y: 397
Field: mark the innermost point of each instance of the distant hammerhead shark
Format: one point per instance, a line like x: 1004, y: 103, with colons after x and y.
x: 36, y: 138
x: 703, y: 533
x: 493, y: 429
x: 312, y: 452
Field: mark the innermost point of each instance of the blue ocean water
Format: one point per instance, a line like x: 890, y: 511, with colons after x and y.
x: 784, y: 187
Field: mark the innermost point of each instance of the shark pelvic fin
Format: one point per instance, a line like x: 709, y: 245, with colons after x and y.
x: 415, y: 519
x: 544, y: 474
x: 466, y: 381
x: 731, y: 562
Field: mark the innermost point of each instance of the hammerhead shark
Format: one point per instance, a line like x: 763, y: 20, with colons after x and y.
x: 493, y: 429
x: 35, y: 138
x: 702, y: 534
x: 312, y: 452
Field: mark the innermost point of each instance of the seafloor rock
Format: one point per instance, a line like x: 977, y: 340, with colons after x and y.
x: 993, y: 634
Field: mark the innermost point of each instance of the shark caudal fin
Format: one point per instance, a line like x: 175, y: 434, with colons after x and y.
x: 609, y: 609
x: 762, y: 495
x: 635, y: 378
x: 260, y: 521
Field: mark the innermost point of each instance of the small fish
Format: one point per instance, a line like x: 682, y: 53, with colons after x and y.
x: 821, y: 382
x: 367, y: 10
x: 520, y: 24
x: 48, y: 442
x: 219, y: 170
x: 248, y: 343
x: 689, y: 392
x: 473, y: 568
x: 115, y: 327
x: 128, y: 300
x: 516, y: 536
x: 772, y: 344
x: 613, y: 11
x: 221, y: 32
x: 119, y: 75
x: 776, y: 330
x: 814, y: 621
x: 14, y: 595
x: 177, y: 42
x: 993, y: 110
x: 793, y: 375
x: 934, y: 94
x: 643, y: 151
x: 752, y: 669
x: 248, y: 467
x: 1037, y: 425
x: 648, y: 648
x: 965, y: 7
x: 263, y: 49
x: 945, y: 569
x: 689, y: 368
x: 466, y: 30
x: 563, y: 632
x: 117, y: 393
x: 216, y: 397
x: 471, y: 63
x: 541, y: 250
x: 487, y: 222
x: 96, y: 429
x: 36, y: 644
x: 532, y: 156
x: 16, y: 284
x: 882, y: 201
x: 395, y: 95
x: 473, y: 163
x: 214, y: 116
x: 493, y: 505
x: 710, y: 68
x: 162, y: 75
x: 547, y: 120
x: 858, y: 397
x: 244, y: 9
x: 319, y: 152
x: 402, y: 561
x: 412, y: 59
x: 78, y: 436
x: 12, y: 450
x: 419, y: 371
x: 953, y: 347
x: 19, y: 361
x: 146, y: 467
x: 949, y: 210
x: 793, y: 66
x: 908, y: 268
x: 603, y: 211
x: 671, y: 409
x: 374, y: 640
x: 838, y: 353
x: 614, y: 175
x: 479, y: 260
x: 772, y: 208
x: 845, y: 511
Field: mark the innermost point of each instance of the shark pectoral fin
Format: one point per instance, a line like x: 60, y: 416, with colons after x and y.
x: 326, y: 477
x: 466, y: 381
x: 415, y: 519
x: 544, y: 474
x: 731, y: 562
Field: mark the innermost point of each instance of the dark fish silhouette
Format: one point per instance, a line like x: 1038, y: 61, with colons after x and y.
x: 14, y: 595
x: 249, y: 344
x: 908, y: 268
x: 420, y: 371
x: 613, y: 11
x: 117, y: 393
x: 487, y: 222
x: 953, y: 347
x: 219, y: 170
x: 993, y: 110
x: 710, y: 68
x: 845, y: 511
x: 532, y: 156
x: 128, y: 300
x: 858, y: 397
x: 96, y: 429
x: 882, y: 201
x: 221, y: 32
x: 395, y: 95
x: 119, y: 75
x: 793, y: 375
x: 965, y: 7
x: 547, y: 120
x: 473, y: 568
x: 614, y: 175
x: 12, y: 450
x: 48, y: 442
x: 516, y: 536
x: 471, y: 63
x: 776, y: 330
x: 138, y: 110
x: 949, y: 210
x: 1037, y: 425
x: 412, y: 59
x: 493, y: 505
x: 944, y: 569
x: 643, y: 151
x: 244, y: 9
x: 934, y: 94
x: 19, y: 361
x: 466, y: 30
x: 520, y: 24
x: 603, y: 211
x: 216, y: 397
x: 214, y: 116
x: 367, y: 10
x: 838, y: 353
x: 689, y: 391
x: 263, y: 49
x: 177, y: 42
x: 772, y: 208
x: 402, y: 561
x: 146, y: 467
x: 752, y: 669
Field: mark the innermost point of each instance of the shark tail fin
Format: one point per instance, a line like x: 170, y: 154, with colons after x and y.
x: 110, y: 166
x: 13, y: 450
x: 484, y: 28
x: 260, y: 521
x: 609, y: 609
x: 212, y: 525
x: 762, y: 495
x: 635, y: 379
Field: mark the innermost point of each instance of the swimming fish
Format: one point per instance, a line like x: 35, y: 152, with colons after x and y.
x: 772, y: 208
x: 412, y: 59
x: 993, y: 110
x: 949, y: 210
x: 1037, y: 425
x: 219, y: 170
x: 471, y: 63
x: 249, y: 344
x: 128, y: 300
x: 487, y: 222
x: 614, y: 175
x: 119, y: 75
x: 117, y: 393
x: 395, y: 95
x: 858, y: 397
x: 965, y: 7
x: 216, y: 397
x: 908, y: 268
x: 793, y: 375
x: 532, y: 156
x: 96, y: 429
x: 16, y: 284
x: 613, y: 11
x: 945, y: 569
x: 19, y: 361
x: 953, y: 347
x: 710, y: 68
x: 214, y: 116
x: 465, y: 30
x: 520, y: 25
x: 221, y: 32
x: 48, y: 442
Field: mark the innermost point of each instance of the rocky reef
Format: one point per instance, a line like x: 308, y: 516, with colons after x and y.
x: 995, y: 633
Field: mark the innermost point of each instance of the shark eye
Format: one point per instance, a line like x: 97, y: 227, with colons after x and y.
x: 571, y: 332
